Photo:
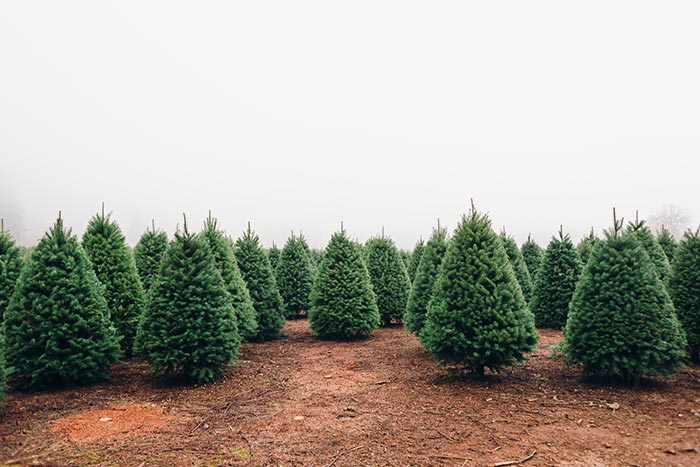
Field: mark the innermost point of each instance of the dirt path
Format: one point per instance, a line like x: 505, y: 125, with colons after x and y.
x: 382, y: 401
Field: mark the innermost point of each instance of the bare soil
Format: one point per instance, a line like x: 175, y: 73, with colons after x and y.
x: 382, y: 401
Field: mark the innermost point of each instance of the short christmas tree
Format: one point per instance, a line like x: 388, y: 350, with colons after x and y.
x: 658, y: 258
x: 684, y: 287
x: 416, y: 256
x: 519, y: 266
x: 667, y: 243
x: 533, y: 254
x: 389, y: 278
x: 295, y: 276
x: 57, y: 329
x: 586, y: 246
x: 274, y: 256
x: 10, y: 267
x: 555, y: 283
x: 478, y: 316
x: 343, y: 304
x: 148, y: 254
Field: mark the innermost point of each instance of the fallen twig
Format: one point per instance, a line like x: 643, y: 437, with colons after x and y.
x: 521, y: 461
x: 445, y: 436
x: 447, y: 456
x: 342, y: 453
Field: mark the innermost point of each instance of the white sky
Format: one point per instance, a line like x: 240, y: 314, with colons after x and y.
x: 297, y: 115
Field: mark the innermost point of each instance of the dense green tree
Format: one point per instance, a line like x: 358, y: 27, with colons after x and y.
x: 519, y: 266
x: 621, y: 322
x: 667, y: 243
x: 295, y: 276
x: 3, y: 370
x: 259, y: 277
x: 389, y: 278
x: 478, y: 316
x: 343, y: 304
x: 533, y: 254
x: 424, y: 283
x: 222, y: 249
x: 684, y: 287
x: 116, y: 270
x: 148, y: 254
x: 658, y: 258
x: 189, y: 328
x: 10, y: 267
x: 555, y: 283
x: 316, y: 258
x: 273, y: 255
x: 416, y: 256
x: 403, y: 254
x: 586, y: 246
x: 56, y: 326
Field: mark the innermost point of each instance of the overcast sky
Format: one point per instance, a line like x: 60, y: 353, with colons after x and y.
x: 300, y: 115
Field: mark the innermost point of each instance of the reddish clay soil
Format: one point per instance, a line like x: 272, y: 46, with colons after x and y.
x: 381, y: 401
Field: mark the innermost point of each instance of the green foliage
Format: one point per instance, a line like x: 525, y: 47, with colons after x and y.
x: 658, y: 258
x: 389, y: 278
x: 189, y: 329
x: 586, y: 246
x: 622, y: 323
x: 343, y: 304
x: 115, y: 268
x: 273, y: 255
x: 148, y: 254
x: 684, y: 287
x: 295, y: 276
x: 3, y: 370
x: 259, y: 277
x: 403, y: 254
x: 56, y: 326
x: 416, y: 256
x: 10, y: 267
x: 667, y: 243
x: 316, y: 257
x: 518, y: 263
x: 555, y: 283
x: 533, y: 256
x: 424, y: 283
x: 478, y: 316
x: 222, y: 250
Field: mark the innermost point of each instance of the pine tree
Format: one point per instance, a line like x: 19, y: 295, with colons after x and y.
x: 651, y: 246
x: 189, y: 329
x: 389, y: 278
x: 519, y: 266
x: 295, y: 276
x: 416, y: 256
x: 533, y: 256
x: 622, y: 323
x: 222, y: 250
x: 424, y: 283
x: 148, y: 254
x: 116, y: 270
x: 684, y: 287
x: 478, y: 316
x: 586, y: 246
x: 10, y: 267
x: 403, y: 254
x: 343, y: 304
x: 57, y: 329
x: 259, y: 277
x: 273, y: 255
x: 667, y: 243
x: 555, y: 283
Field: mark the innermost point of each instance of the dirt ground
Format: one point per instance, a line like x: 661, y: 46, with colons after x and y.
x: 299, y: 401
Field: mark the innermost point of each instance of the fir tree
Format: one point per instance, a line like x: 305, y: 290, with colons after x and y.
x: 424, y: 283
x: 667, y: 243
x: 403, y: 254
x: 586, y: 246
x: 533, y: 256
x: 115, y: 268
x: 684, y: 287
x: 316, y: 258
x: 148, y: 254
x: 56, y: 326
x: 519, y: 266
x: 222, y: 250
x: 555, y: 283
x: 343, y: 304
x: 389, y: 278
x: 622, y: 323
x: 3, y: 371
x: 259, y: 277
x: 295, y: 276
x: 273, y: 255
x: 658, y: 258
x: 10, y: 267
x: 478, y: 316
x: 416, y: 256
x: 189, y: 329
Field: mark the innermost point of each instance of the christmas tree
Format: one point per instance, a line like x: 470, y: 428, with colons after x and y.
x: 667, y: 243
x: 148, y: 254
x: 343, y: 304
x: 533, y: 256
x: 658, y: 258
x: 684, y: 287
x: 586, y: 245
x: 389, y: 278
x: 519, y: 266
x: 295, y: 276
x: 57, y: 329
x: 416, y: 256
x: 478, y: 316
x: 10, y: 267
x: 274, y: 256
x: 3, y: 371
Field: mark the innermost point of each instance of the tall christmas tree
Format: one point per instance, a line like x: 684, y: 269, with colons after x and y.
x: 684, y: 287
x: 555, y: 283
x: 658, y: 258
x: 416, y: 256
x: 273, y: 255
x: 389, y: 278
x: 424, y: 283
x: 586, y: 246
x: 622, y: 323
x: 343, y: 304
x: 189, y: 329
x: 115, y: 268
x: 10, y: 267
x: 56, y: 326
x: 533, y: 256
x: 148, y: 254
x: 225, y: 261
x: 295, y: 276
x: 478, y: 316
x: 259, y: 277
x: 667, y: 243
x: 519, y: 266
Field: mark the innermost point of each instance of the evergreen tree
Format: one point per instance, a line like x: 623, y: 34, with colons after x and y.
x: 259, y: 277
x: 273, y: 255
x: 667, y: 243
x: 295, y: 276
x: 684, y: 287
x: 519, y: 266
x: 658, y: 258
x: 148, y: 254
x: 189, y: 328
x: 416, y: 256
x: 424, y: 283
x: 478, y: 316
x: 115, y: 268
x: 57, y: 329
x: 403, y: 254
x: 622, y: 323
x: 222, y: 250
x: 343, y: 304
x: 555, y: 283
x: 586, y: 246
x: 10, y: 267
x: 316, y: 258
x: 533, y: 256
x: 389, y: 278
x: 3, y: 371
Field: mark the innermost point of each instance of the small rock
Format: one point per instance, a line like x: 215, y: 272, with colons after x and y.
x: 613, y: 406
x: 105, y: 419
x: 299, y: 417
x: 328, y: 376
